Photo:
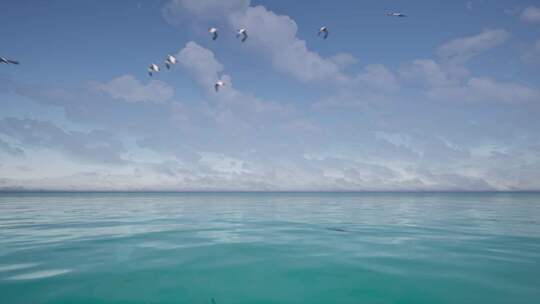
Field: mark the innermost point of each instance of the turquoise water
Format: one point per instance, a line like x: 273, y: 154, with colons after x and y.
x: 269, y: 248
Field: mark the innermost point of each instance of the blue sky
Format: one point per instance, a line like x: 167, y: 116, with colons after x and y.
x: 445, y: 99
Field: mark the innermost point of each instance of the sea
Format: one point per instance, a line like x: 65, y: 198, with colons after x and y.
x: 258, y: 247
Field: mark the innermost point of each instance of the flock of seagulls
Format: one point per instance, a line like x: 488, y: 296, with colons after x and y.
x: 170, y: 60
x: 241, y: 34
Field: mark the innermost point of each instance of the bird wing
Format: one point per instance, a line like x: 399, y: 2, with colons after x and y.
x: 12, y: 61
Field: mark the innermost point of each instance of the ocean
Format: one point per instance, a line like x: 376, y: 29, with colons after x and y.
x: 269, y: 248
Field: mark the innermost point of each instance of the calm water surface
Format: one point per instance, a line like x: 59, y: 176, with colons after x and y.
x: 269, y: 248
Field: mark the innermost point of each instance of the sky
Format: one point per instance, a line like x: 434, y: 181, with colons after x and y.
x: 446, y: 99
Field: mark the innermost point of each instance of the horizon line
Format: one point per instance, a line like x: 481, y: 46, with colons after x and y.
x: 2, y: 191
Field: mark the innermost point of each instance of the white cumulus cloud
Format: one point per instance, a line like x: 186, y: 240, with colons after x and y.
x: 462, y: 49
x: 531, y: 14
x: 129, y: 89
x: 201, y: 62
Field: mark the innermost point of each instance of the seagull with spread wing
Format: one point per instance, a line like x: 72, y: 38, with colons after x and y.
x: 395, y: 14
x: 218, y: 85
x: 170, y: 61
x: 213, y: 32
x: 8, y: 61
x: 153, y: 68
x: 242, y: 33
x: 323, y: 31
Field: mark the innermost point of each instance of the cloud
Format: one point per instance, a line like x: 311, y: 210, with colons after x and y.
x: 228, y: 121
x: 223, y: 164
x: 201, y: 63
x: 220, y: 171
x: 481, y: 89
x: 206, y: 69
x: 378, y: 77
x: 374, y: 84
x: 426, y: 71
x: 9, y: 149
x: 452, y: 181
x: 90, y: 104
x: 96, y: 145
x: 508, y: 92
x: 385, y: 132
x: 531, y: 14
x: 463, y: 49
x: 272, y: 35
x: 275, y: 36
x: 447, y: 79
x: 129, y: 89
x: 343, y: 60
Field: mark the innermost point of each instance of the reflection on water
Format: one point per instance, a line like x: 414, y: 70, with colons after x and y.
x: 39, y: 274
x: 322, y: 247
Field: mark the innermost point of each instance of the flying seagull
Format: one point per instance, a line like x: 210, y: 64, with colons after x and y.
x: 395, y: 14
x: 218, y: 84
x: 8, y: 61
x: 242, y: 33
x: 153, y: 68
x: 323, y: 30
x: 214, y: 32
x: 170, y: 61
